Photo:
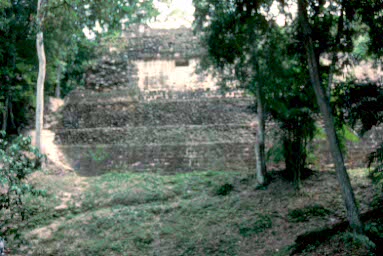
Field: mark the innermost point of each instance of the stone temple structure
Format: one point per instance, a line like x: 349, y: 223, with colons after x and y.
x: 145, y: 109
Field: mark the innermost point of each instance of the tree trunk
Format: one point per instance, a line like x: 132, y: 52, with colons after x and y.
x: 5, y: 114
x: 12, y: 117
x: 260, y: 145
x: 58, y: 85
x: 41, y: 75
x: 343, y: 178
x: 334, y: 58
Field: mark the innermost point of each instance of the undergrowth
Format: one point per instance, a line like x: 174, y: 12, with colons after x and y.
x: 308, y: 212
x: 200, y: 213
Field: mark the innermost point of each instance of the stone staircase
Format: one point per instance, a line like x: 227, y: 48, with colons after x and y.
x: 127, y: 131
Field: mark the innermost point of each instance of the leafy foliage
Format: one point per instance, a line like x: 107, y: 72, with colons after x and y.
x: 17, y: 64
x: 295, y: 112
x: 359, y: 104
x: 18, y: 160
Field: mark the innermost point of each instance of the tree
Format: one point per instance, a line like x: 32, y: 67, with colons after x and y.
x: 17, y: 64
x: 343, y: 178
x: 41, y: 5
x: 294, y: 111
x: 246, y: 45
x: 237, y: 37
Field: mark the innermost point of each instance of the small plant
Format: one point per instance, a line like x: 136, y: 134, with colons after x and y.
x: 255, y: 226
x: 224, y: 189
x: 18, y: 159
x: 98, y: 155
x: 304, y: 214
x: 354, y: 242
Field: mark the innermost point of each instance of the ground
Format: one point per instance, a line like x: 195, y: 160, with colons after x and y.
x: 199, y: 213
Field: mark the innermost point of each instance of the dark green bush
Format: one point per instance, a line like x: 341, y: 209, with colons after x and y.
x: 224, y: 189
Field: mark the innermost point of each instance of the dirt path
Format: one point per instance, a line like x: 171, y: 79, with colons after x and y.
x: 56, y: 160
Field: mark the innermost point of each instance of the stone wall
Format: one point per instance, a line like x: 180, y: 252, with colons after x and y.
x: 151, y: 60
x: 112, y: 73
x: 91, y: 160
x: 143, y: 43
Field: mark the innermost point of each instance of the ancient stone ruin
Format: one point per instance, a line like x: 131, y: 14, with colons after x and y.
x: 145, y: 109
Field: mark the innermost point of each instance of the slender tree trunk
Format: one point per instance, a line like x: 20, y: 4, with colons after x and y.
x: 343, y: 178
x: 5, y: 114
x: 334, y: 58
x: 260, y: 145
x: 58, y: 85
x: 41, y: 75
x: 12, y: 117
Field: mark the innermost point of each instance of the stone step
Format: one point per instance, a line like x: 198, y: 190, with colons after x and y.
x: 81, y: 96
x: 92, y: 160
x: 156, y: 113
x: 157, y: 135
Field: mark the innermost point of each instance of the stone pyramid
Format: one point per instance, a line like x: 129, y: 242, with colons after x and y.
x: 145, y: 109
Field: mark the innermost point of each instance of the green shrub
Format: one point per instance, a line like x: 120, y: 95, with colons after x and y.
x: 354, y: 242
x: 224, y: 189
x: 304, y: 214
x: 18, y: 159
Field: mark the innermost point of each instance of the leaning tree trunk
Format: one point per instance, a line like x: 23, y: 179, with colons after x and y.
x: 343, y: 178
x: 41, y: 75
x: 260, y: 144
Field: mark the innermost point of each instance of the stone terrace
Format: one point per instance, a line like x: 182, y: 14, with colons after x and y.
x: 100, y: 133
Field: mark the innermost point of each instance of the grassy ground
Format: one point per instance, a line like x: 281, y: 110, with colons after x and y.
x: 208, y: 213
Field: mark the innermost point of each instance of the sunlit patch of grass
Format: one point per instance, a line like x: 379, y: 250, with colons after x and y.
x: 131, y: 189
x: 358, y: 173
